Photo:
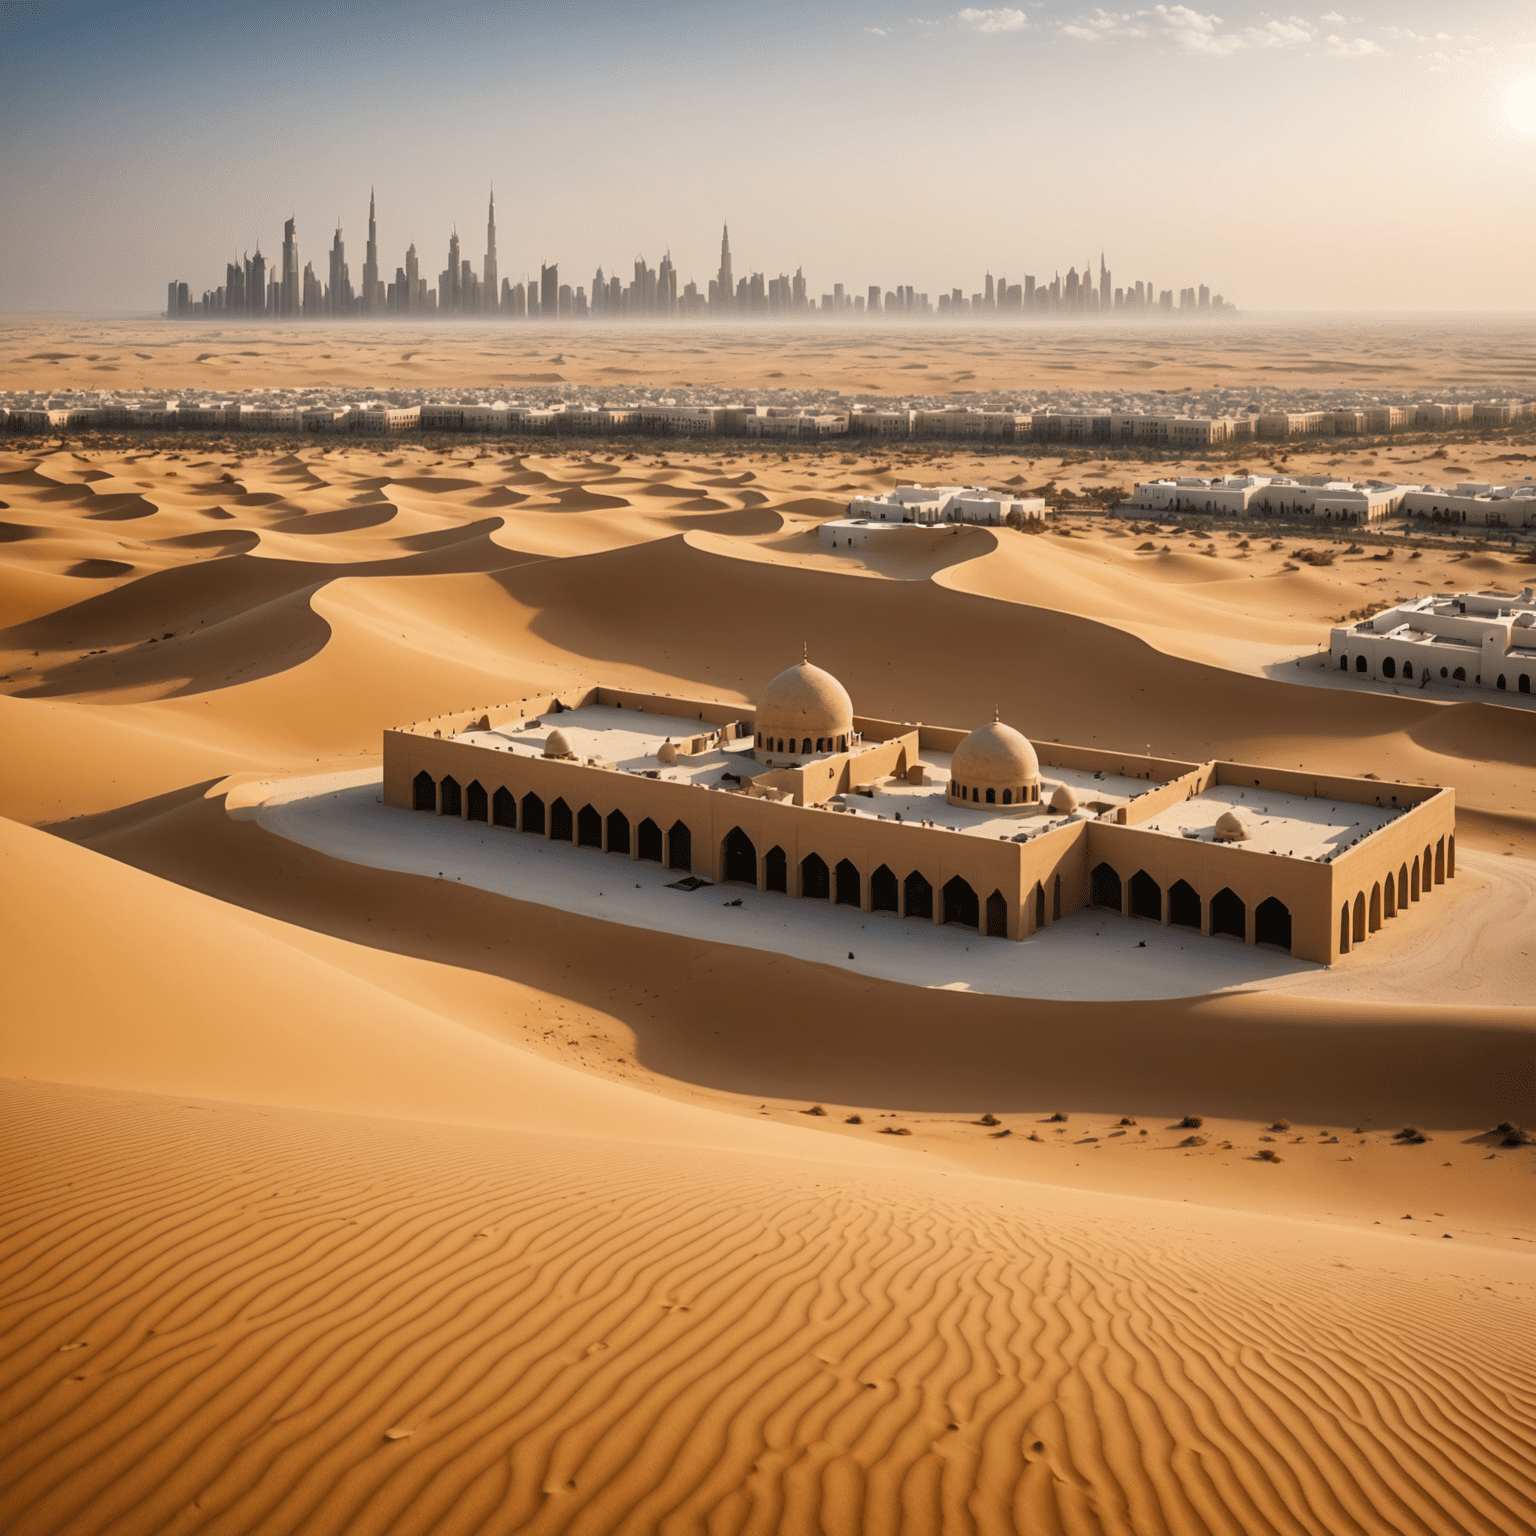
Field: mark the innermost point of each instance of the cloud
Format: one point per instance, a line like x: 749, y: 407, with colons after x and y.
x: 1332, y: 16
x: 1352, y: 47
x: 1005, y: 19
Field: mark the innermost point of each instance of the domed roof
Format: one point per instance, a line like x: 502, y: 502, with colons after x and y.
x: 556, y: 745
x: 995, y: 753
x: 805, y: 699
x: 1231, y: 828
x: 1063, y: 801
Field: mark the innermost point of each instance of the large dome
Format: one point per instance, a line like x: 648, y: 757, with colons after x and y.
x: 994, y: 765
x: 804, y: 702
x: 995, y: 754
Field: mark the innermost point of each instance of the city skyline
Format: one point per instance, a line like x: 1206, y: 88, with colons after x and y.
x: 256, y: 289
x: 138, y: 139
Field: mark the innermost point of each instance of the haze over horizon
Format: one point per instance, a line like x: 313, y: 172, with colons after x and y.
x: 1316, y: 161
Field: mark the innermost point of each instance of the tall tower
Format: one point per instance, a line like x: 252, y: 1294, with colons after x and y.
x: 371, y: 262
x: 491, y: 286
x: 413, y: 302
x: 455, y: 290
x: 1105, y: 294
x: 727, y: 289
x: 290, y: 294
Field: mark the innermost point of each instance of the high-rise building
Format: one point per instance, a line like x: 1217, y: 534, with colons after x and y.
x: 727, y: 288
x: 372, y: 288
x: 1104, y: 288
x: 413, y: 285
x: 256, y: 283
x: 549, y: 290
x: 490, y: 285
x: 290, y: 296
x: 454, y: 299
x: 340, y: 300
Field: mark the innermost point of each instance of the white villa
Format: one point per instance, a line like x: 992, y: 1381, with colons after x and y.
x: 1486, y: 639
x: 1338, y: 501
x: 945, y: 504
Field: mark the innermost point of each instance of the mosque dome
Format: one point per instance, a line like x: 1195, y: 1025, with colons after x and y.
x: 556, y: 745
x: 804, y: 704
x: 1063, y: 801
x: 1231, y: 828
x: 995, y: 765
x: 666, y: 752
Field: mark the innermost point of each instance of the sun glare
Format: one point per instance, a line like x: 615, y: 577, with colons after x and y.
x: 1520, y: 104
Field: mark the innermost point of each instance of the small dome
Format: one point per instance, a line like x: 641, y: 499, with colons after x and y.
x: 805, y: 701
x: 666, y: 752
x: 555, y: 745
x: 1063, y: 801
x: 995, y: 753
x: 1231, y: 828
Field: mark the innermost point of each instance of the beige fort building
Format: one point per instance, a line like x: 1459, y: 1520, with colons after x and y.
x: 982, y: 829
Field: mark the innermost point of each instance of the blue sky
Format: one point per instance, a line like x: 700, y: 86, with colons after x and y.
x: 1333, y: 157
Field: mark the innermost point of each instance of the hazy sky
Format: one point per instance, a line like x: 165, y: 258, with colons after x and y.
x: 1354, y: 157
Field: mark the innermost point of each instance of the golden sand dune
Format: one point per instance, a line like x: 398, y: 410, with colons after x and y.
x: 296, y: 1322
x: 345, y: 1200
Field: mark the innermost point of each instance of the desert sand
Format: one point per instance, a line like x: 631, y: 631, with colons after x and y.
x: 1390, y: 353
x: 343, y: 1198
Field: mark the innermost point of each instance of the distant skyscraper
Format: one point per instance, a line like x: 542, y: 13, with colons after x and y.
x: 491, y: 286
x: 340, y: 297
x: 290, y: 294
x: 371, y: 303
x: 455, y: 290
x: 549, y: 290
x: 1105, y: 293
x: 256, y: 283
x: 414, y: 298
x: 727, y: 284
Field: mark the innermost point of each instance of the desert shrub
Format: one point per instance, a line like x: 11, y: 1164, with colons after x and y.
x: 1268, y: 1155
x: 1410, y: 1135
x: 1191, y: 1122
x: 1058, y: 1116
x: 1281, y: 1125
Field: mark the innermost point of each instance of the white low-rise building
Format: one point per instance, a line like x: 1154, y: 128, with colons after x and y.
x: 946, y: 504
x: 1497, y: 506
x: 1485, y: 639
x: 1337, y: 501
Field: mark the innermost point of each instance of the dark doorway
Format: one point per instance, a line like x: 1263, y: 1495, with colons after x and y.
x: 478, y: 805
x: 1272, y: 923
x: 533, y: 814
x: 1359, y: 663
x: 560, y: 825
x: 1183, y: 904
x: 814, y: 881
x: 919, y: 896
x: 424, y: 792
x: 961, y: 905
x: 776, y: 870
x: 618, y: 832
x: 1105, y: 888
x: 1344, y: 929
x: 503, y: 808
x: 648, y: 843
x: 680, y: 847
x: 1525, y: 682
x: 1388, y: 667
x: 1039, y: 905
x: 997, y: 916
x: 882, y: 890
x: 740, y: 858
x: 452, y: 798
x: 1146, y: 897
x: 849, y: 885
x: 1229, y: 914
x: 589, y: 828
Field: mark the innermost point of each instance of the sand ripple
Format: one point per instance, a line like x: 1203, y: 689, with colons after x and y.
x: 263, y: 1320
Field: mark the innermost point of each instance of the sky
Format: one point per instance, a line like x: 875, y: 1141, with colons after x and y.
x: 1359, y: 157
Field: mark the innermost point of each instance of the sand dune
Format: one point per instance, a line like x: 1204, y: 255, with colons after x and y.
x: 341, y: 1199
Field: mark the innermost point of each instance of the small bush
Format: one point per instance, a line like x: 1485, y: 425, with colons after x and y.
x: 1127, y: 1120
x: 815, y: 1109
x: 989, y: 1119
x: 1191, y: 1122
x: 1281, y: 1125
x: 1268, y: 1155
x: 1058, y: 1116
x: 1410, y: 1135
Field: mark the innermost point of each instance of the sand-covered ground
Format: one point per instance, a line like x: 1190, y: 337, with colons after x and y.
x: 1390, y: 354
x: 342, y: 1198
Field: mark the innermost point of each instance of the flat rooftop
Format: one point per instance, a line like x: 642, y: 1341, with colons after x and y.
x: 627, y: 740
x: 1296, y: 826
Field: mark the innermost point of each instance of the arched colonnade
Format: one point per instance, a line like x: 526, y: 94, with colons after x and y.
x: 1366, y: 911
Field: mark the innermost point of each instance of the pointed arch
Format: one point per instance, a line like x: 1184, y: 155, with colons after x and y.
x: 883, y: 890
x: 452, y: 797
x: 589, y: 828
x: 815, y: 880
x: 919, y: 895
x: 738, y: 858
x: 648, y: 841
x: 533, y: 814
x: 424, y: 792
x: 961, y: 904
x: 1184, y: 905
x: 476, y: 802
x: 1229, y: 913
x: 618, y: 832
